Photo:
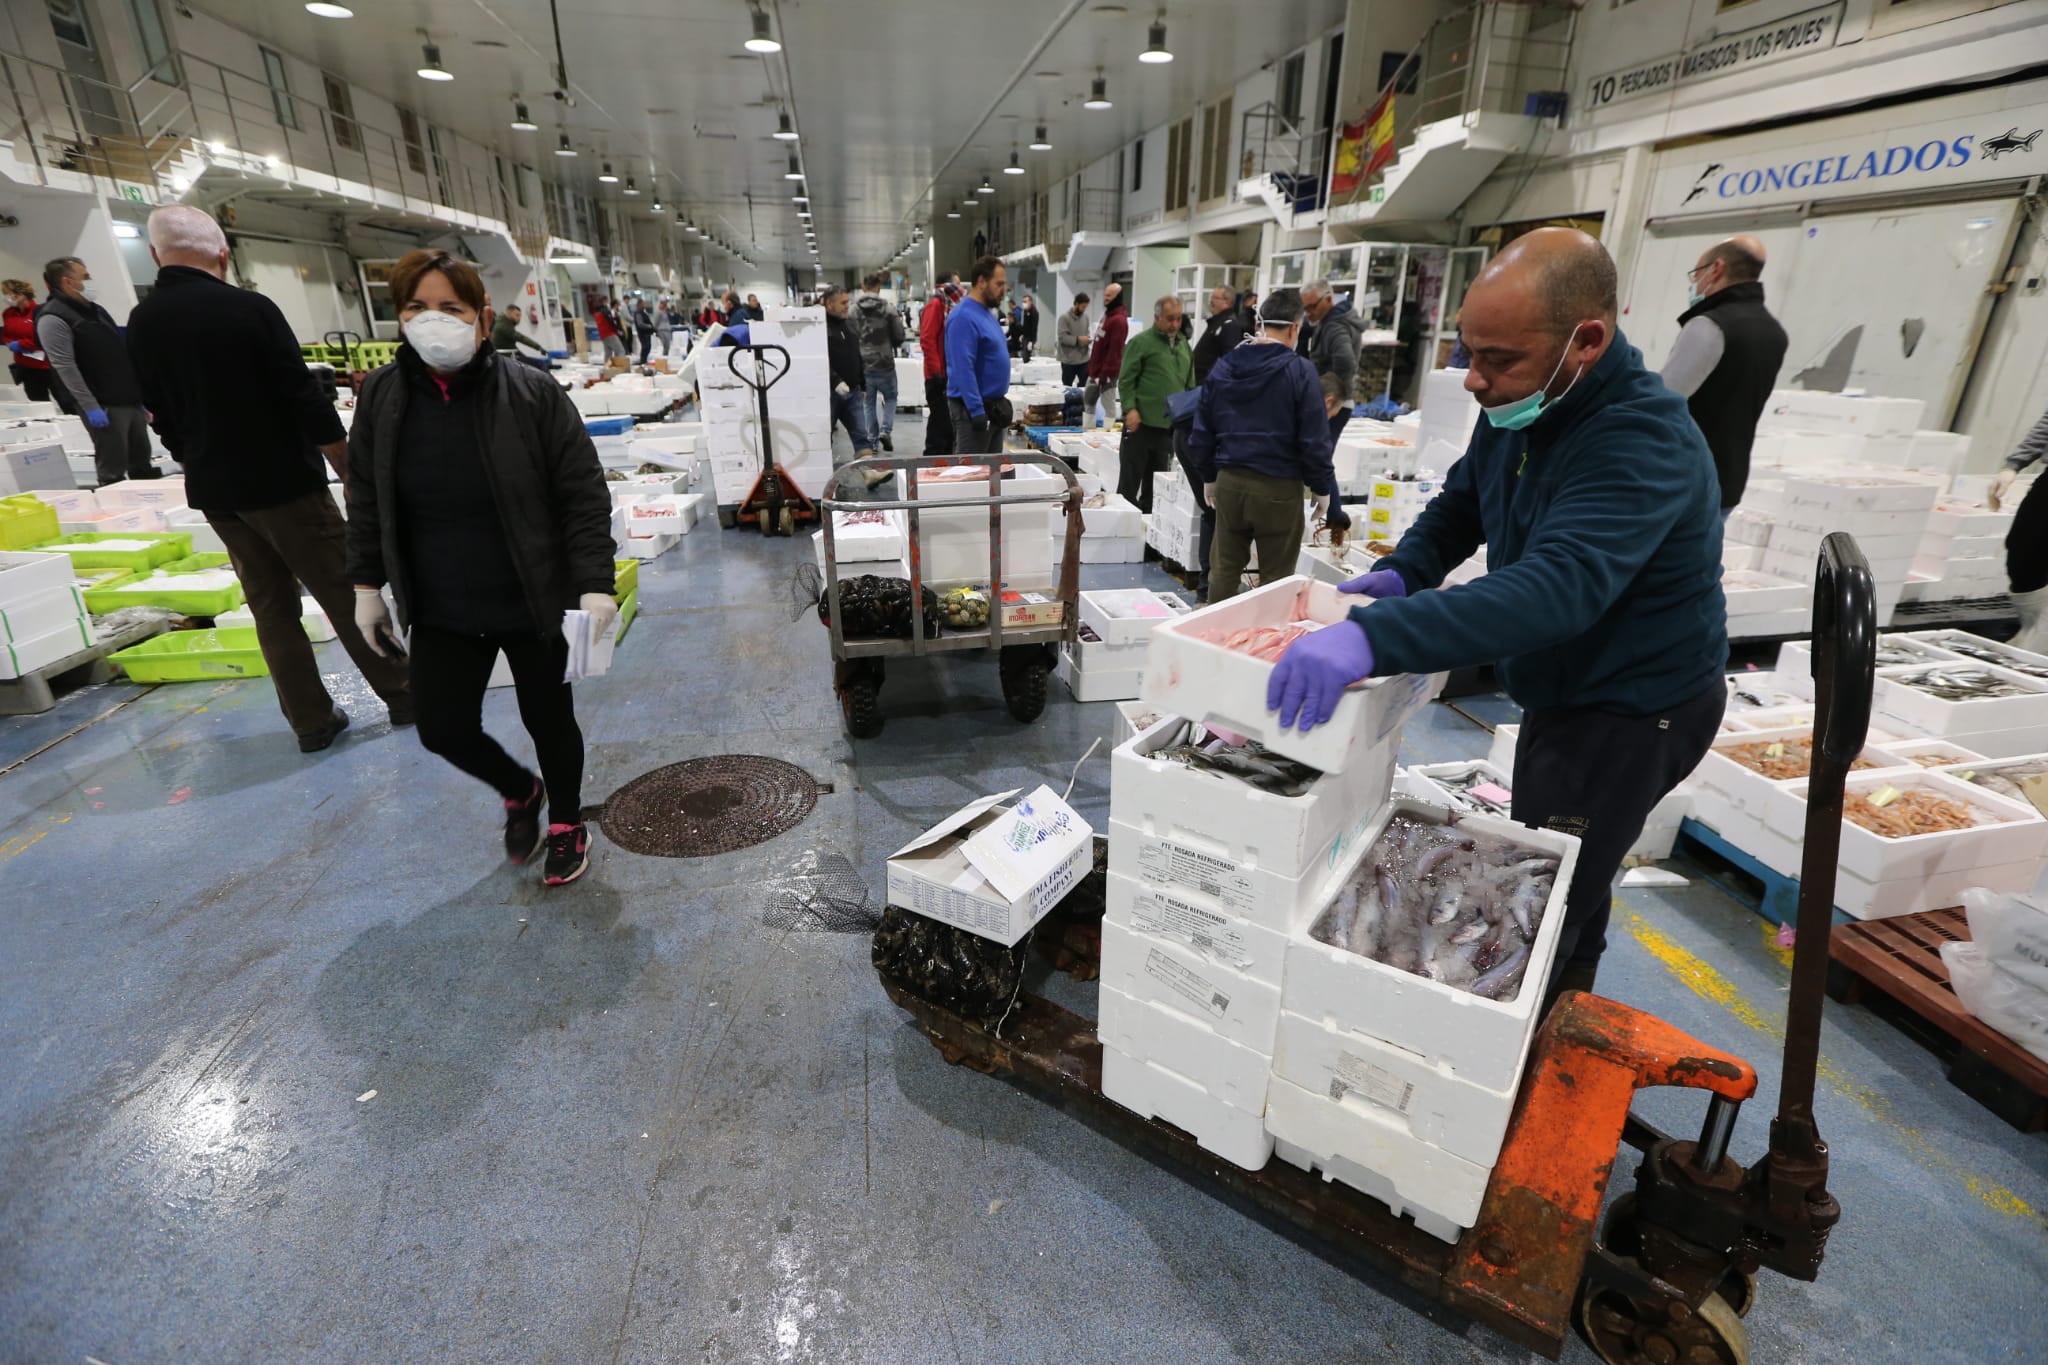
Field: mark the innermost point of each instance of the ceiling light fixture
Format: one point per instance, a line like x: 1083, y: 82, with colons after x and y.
x: 521, y: 120
x: 606, y: 177
x: 657, y: 206
x: 1156, y: 52
x: 563, y: 148
x: 571, y: 259
x: 631, y: 188
x: 952, y: 213
x: 1039, y: 143
x: 127, y: 230
x: 433, y: 70
x: 987, y: 187
x: 795, y: 171
x: 785, y: 131
x: 1013, y: 168
x: 320, y: 10
x: 799, y: 199
x: 764, y: 37
x: 1098, y: 94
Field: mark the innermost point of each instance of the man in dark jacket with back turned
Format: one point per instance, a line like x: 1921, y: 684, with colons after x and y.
x: 1726, y: 359
x: 1601, y: 607
x: 1261, y: 443
x: 235, y: 403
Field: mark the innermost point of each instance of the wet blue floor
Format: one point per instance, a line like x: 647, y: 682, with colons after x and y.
x: 626, y: 1121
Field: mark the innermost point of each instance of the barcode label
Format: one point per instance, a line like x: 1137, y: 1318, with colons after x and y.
x: 1191, y: 986
x: 1356, y: 1076
x: 1165, y: 861
x: 1216, y: 934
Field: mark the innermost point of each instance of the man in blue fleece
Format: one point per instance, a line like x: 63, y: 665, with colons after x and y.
x: 1596, y: 498
x: 978, y: 364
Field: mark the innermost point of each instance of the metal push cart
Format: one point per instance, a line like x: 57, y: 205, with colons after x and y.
x: 1672, y: 1270
x: 1025, y: 654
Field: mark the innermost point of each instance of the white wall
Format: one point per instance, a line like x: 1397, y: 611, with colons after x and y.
x: 1145, y: 205
x: 54, y: 223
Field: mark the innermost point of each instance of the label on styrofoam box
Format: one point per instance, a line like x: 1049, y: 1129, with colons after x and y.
x: 1163, y: 972
x: 1233, y: 941
x: 76, y: 504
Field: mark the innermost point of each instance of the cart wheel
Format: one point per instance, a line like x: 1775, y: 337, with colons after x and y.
x: 788, y: 520
x: 860, y: 701
x: 1624, y: 1332
x: 1739, y: 1289
x: 1024, y: 687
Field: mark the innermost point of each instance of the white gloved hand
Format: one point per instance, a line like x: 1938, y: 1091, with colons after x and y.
x: 603, y: 611
x: 1322, y: 501
x: 1999, y: 486
x: 373, y: 619
x: 841, y: 389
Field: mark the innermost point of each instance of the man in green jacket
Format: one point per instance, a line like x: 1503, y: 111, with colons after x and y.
x: 1157, y: 362
x: 506, y: 336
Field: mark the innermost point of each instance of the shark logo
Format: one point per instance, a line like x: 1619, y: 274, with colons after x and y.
x: 2007, y: 141
x: 1699, y: 186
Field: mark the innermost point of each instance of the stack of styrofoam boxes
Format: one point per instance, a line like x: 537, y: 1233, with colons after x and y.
x: 34, y: 467
x: 192, y: 522
x: 1745, y: 535
x: 648, y: 535
x: 910, y: 383
x: 1961, y: 554
x: 1208, y: 876
x: 1113, y: 533
x: 953, y: 542
x: 1843, y: 414
x: 1392, y: 506
x: 731, y: 418
x: 1111, y: 667
x: 1043, y: 370
x: 1940, y: 453
x: 1448, y: 412
x: 864, y: 543
x: 2001, y: 727
x: 136, y: 505
x: 42, y: 617
x: 800, y: 404
x: 1761, y: 605
x: 1888, y: 518
x: 1094, y: 453
x: 1174, y: 527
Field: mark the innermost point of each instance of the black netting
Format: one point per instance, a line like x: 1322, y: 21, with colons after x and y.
x: 822, y: 894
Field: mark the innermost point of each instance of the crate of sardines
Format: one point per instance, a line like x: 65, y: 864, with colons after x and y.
x: 1964, y: 701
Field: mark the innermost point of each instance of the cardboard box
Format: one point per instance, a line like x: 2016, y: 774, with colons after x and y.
x: 1032, y: 609
x: 994, y: 869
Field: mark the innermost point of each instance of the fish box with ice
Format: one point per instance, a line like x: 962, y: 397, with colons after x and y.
x: 1484, y: 919
x: 1191, y: 671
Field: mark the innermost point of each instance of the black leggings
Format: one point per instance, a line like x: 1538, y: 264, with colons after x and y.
x: 2026, y: 544
x: 450, y: 672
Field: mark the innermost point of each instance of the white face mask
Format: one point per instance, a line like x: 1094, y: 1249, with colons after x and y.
x: 443, y: 340
x: 89, y: 291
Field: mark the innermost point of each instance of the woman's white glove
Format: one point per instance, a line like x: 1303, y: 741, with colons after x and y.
x: 373, y: 620
x: 2000, y: 485
x: 1322, y: 501
x: 603, y: 611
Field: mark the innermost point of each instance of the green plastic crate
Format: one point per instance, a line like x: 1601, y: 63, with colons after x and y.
x: 163, y: 589
x: 625, y: 578
x: 162, y: 548
x: 195, y: 656
x: 26, y: 520
x: 199, y: 563
x: 629, y: 608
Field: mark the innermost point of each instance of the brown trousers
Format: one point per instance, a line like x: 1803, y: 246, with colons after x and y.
x: 274, y: 550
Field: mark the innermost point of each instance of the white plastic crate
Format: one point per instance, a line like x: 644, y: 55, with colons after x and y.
x: 1239, y: 1007
x: 2007, y: 832
x: 1422, y: 783
x: 1182, y: 1044
x: 1219, y: 936
x: 1127, y: 615
x: 1895, y: 699
x: 1348, y: 1143
x: 1484, y: 1041
x: 1194, y: 677
x: 1089, y: 683
x: 1236, y: 1135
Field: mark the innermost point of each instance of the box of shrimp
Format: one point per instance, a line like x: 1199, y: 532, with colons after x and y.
x: 1437, y: 937
x: 1754, y: 771
x: 1925, y: 822
x: 1213, y: 665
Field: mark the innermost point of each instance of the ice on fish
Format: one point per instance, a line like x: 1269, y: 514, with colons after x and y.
x: 1446, y: 903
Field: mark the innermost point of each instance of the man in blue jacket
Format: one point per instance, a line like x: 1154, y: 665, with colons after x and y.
x: 1261, y: 444
x: 1596, y: 498
x: 978, y: 364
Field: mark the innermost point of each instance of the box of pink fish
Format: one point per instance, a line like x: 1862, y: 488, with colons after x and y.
x: 1213, y: 665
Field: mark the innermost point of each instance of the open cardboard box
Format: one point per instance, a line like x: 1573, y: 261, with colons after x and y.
x: 991, y: 869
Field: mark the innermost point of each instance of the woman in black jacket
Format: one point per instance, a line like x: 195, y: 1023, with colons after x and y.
x: 475, y: 492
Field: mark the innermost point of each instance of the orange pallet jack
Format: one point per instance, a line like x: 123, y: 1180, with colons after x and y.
x: 1669, y: 1275
x: 774, y: 504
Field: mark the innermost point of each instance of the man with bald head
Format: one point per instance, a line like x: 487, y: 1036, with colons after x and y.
x: 234, y: 402
x: 1601, y: 607
x: 1727, y: 356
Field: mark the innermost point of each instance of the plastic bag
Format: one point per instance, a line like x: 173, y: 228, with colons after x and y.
x: 2012, y: 933
x: 1998, y: 998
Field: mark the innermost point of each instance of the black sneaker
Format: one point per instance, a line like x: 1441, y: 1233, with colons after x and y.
x: 888, y: 444
x: 523, y: 835
x: 568, y: 854
x: 326, y: 734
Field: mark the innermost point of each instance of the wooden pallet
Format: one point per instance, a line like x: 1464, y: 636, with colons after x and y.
x: 34, y: 693
x: 1900, y: 959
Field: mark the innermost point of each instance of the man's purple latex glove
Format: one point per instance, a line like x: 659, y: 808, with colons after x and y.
x: 1378, y: 583
x: 1311, y: 676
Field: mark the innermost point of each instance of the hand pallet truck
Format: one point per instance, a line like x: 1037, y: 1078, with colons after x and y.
x: 1672, y: 1270
x: 775, y: 504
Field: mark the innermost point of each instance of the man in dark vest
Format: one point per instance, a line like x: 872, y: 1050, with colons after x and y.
x: 90, y: 359
x: 1727, y: 356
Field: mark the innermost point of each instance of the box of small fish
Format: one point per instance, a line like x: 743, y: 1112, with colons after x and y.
x: 1213, y: 665
x: 1923, y: 822
x: 1962, y: 698
x: 1477, y: 787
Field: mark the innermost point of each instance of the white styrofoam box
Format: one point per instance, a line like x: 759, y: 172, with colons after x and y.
x: 1747, y: 527
x: 1742, y: 558
x: 1937, y: 753
x: 1125, y: 616
x: 1423, y: 783
x: 652, y: 516
x: 1889, y: 449
x: 645, y: 547
x: 1896, y: 700
x: 1767, y: 625
x: 2018, y: 660
x: 1916, y: 895
x: 1757, y: 594
x: 1244, y: 848
x: 1116, y: 517
x: 2007, y: 832
x: 1134, y: 718
x: 1953, y: 519
x: 1847, y: 494
x: 1349, y: 1143
x: 192, y: 522
x: 1895, y: 547
x: 1117, y: 550
x: 1501, y: 752
x: 1172, y: 1039
x: 30, y: 618
x: 1660, y: 830
x: 1485, y: 1041
x: 28, y: 467
x: 1105, y: 655
x: 1434, y: 1104
x: 1800, y: 410
x: 76, y: 504
x: 1774, y: 801
x: 158, y: 493
x: 1236, y: 1135
x: 1941, y: 452
x: 1216, y: 936
x: 28, y: 574
x: 312, y: 619
x: 863, y: 537
x: 1195, y: 677
x: 1161, y: 971
x: 1105, y: 683
x: 655, y: 485
x: 18, y: 657
x: 1789, y: 684
x: 14, y: 410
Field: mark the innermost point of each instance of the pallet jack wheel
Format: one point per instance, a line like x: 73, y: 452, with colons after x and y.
x: 1024, y: 672
x: 787, y: 521
x: 860, y: 697
x: 1622, y: 1234
x: 1624, y: 1332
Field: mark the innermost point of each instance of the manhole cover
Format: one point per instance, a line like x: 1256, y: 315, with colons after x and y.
x: 709, y: 805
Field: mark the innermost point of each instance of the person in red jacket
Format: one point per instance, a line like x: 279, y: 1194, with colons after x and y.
x: 607, y: 331
x: 1106, y: 361
x: 931, y: 339
x: 25, y: 363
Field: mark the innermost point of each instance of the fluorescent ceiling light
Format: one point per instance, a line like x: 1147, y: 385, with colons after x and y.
x: 127, y: 230
x: 987, y: 187
x: 799, y: 199
x: 764, y: 38
x: 321, y: 10
x: 970, y: 203
x: 631, y: 188
x: 657, y: 206
x: 433, y: 70
x: 1039, y: 142
x: 1156, y: 52
x: 522, y: 120
x: 567, y: 260
x: 563, y: 148
x: 795, y: 171
x: 605, y: 176
x: 217, y: 148
x: 952, y: 213
x: 1098, y: 95
x: 1013, y: 168
x: 785, y: 132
